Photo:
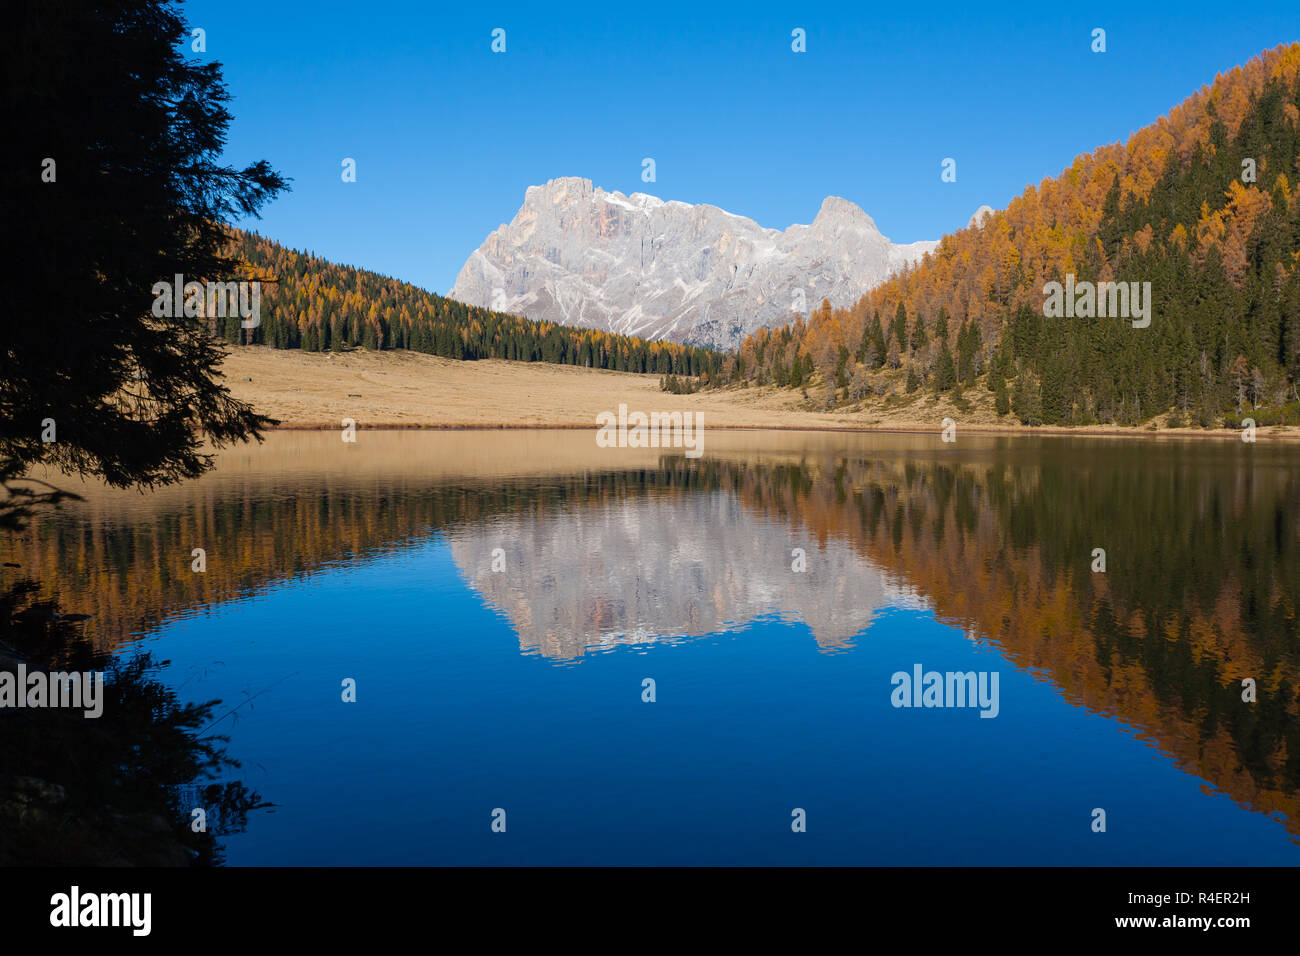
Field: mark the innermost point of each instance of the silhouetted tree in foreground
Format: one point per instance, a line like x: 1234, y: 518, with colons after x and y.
x: 117, y: 789
x: 111, y: 180
x: 115, y: 183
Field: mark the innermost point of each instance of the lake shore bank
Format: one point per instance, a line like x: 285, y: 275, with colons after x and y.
x: 410, y: 390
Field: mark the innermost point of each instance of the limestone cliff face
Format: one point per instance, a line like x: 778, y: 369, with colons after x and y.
x: 637, y: 265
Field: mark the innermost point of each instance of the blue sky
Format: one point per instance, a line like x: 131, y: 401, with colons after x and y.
x: 447, y: 135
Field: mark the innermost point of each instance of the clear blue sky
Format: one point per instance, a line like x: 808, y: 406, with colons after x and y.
x: 447, y: 135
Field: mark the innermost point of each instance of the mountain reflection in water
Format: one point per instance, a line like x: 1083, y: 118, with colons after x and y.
x: 583, y: 550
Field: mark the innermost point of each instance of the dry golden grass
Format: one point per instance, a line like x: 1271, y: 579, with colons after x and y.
x: 402, y: 389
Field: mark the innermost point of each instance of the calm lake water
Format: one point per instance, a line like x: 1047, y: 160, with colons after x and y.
x: 501, y: 598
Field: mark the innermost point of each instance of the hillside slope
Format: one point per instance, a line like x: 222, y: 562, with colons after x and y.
x: 1201, y: 205
x: 313, y: 304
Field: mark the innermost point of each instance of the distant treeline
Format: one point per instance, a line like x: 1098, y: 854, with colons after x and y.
x: 318, y: 306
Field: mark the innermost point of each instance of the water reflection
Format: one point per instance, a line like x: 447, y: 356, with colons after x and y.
x: 598, y: 548
x: 677, y: 564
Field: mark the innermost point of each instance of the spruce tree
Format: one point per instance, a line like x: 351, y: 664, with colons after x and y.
x: 945, y: 373
x: 919, y: 339
x: 995, y: 377
x: 878, y: 340
x: 1055, y: 403
x: 1026, y: 401
x: 1001, y: 400
x: 941, y: 324
x: 900, y: 327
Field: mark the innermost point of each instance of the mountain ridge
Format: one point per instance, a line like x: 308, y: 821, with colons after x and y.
x: 577, y: 254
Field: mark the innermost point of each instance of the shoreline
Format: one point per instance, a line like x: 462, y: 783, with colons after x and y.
x: 396, y: 391
x: 1084, y: 431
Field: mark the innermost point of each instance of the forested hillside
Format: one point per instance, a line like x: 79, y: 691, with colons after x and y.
x: 317, y: 305
x: 1201, y: 204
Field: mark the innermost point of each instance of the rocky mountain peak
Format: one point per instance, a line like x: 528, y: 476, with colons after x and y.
x: 663, y: 269
x: 839, y: 211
